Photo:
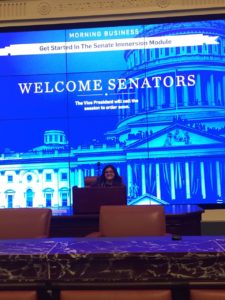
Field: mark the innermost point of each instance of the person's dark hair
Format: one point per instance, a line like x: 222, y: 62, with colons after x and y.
x: 117, y: 179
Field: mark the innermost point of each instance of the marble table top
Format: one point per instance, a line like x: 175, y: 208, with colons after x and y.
x: 134, y: 259
x: 61, y: 246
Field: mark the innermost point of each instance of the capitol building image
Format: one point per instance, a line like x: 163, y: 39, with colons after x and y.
x: 169, y: 146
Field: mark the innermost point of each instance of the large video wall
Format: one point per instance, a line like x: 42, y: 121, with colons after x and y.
x: 146, y: 97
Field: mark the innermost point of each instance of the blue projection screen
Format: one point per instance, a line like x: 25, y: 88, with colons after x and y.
x: 146, y: 97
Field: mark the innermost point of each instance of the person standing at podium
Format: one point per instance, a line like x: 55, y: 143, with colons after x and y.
x: 109, y: 177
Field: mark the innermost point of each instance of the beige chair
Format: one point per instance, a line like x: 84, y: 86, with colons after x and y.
x: 18, y: 295
x: 207, y: 294
x: 18, y: 223
x: 123, y: 220
x: 116, y: 295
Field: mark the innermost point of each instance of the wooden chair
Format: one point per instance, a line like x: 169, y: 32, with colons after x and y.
x: 116, y: 295
x: 123, y: 220
x: 207, y: 294
x: 19, y: 223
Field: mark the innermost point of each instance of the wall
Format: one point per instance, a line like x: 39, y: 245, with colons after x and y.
x: 213, y: 222
x: 55, y: 11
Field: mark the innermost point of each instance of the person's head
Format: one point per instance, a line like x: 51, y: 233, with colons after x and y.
x: 109, y: 173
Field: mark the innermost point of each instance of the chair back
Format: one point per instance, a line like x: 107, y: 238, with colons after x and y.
x: 18, y: 295
x: 16, y: 223
x: 207, y: 294
x: 135, y: 220
x: 89, y: 180
x: 116, y: 294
